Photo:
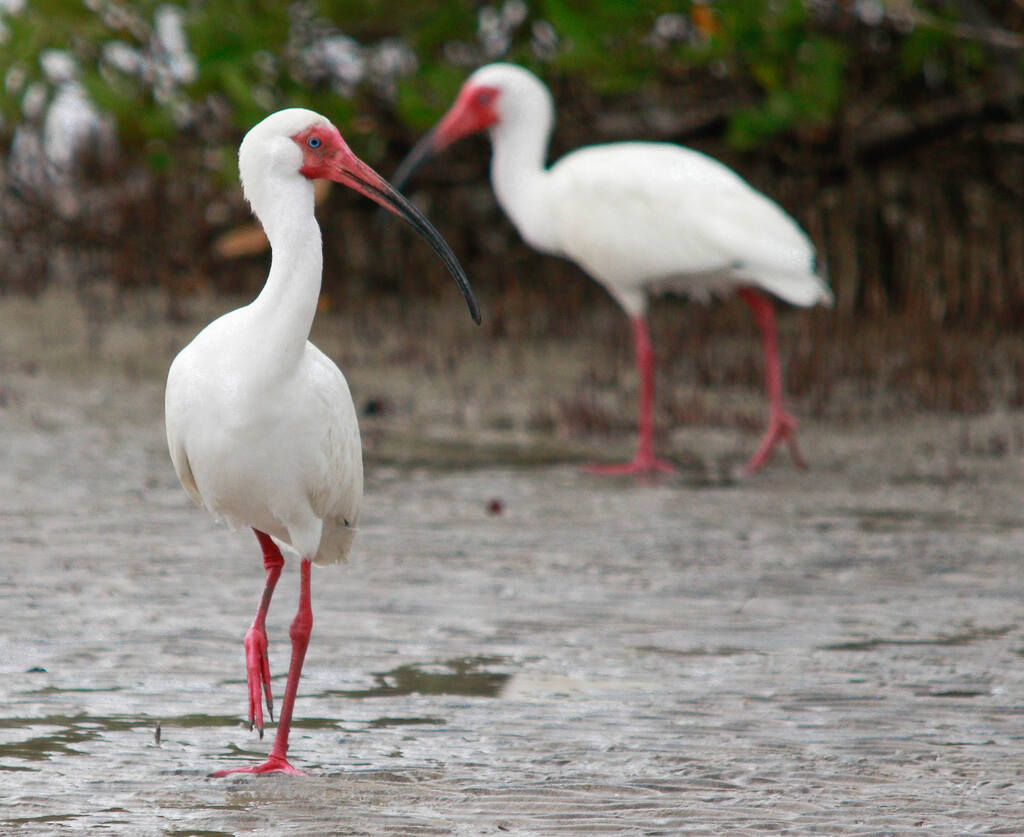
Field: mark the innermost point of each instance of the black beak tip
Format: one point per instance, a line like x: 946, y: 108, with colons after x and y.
x: 467, y: 292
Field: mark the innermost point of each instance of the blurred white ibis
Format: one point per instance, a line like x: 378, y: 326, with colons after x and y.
x: 641, y: 218
x: 260, y: 423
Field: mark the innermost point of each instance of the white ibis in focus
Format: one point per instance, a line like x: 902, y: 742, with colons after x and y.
x: 260, y: 423
x: 641, y: 218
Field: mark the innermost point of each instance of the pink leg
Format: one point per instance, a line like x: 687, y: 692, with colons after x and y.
x: 644, y: 461
x: 781, y: 425
x: 257, y: 663
x: 302, y: 626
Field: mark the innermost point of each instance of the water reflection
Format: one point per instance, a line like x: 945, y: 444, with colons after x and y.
x: 464, y: 676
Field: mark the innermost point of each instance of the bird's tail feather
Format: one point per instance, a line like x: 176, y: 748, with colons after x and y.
x: 795, y: 287
x: 335, y: 543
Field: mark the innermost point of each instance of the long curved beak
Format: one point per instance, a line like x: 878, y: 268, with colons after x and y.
x: 463, y: 118
x: 426, y: 148
x: 349, y: 170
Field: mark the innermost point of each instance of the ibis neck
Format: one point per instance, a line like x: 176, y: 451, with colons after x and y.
x: 520, y: 178
x: 287, y: 304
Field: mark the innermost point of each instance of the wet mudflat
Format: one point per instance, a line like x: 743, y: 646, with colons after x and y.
x: 516, y: 648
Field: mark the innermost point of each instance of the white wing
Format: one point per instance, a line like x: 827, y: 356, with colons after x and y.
x: 279, y: 454
x: 660, y: 216
x: 177, y: 402
x: 335, y: 479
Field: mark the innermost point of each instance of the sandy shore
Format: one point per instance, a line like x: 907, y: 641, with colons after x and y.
x: 837, y: 651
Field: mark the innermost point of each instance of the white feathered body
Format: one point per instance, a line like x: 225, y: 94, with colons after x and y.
x: 261, y: 426
x: 276, y: 450
x: 653, y: 217
x: 648, y: 218
x: 640, y: 217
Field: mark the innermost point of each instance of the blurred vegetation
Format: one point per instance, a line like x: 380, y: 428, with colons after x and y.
x: 892, y: 130
x: 788, y: 63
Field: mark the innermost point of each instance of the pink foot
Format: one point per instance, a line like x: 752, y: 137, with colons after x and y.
x: 257, y: 670
x: 782, y: 428
x: 274, y: 764
x: 639, y: 465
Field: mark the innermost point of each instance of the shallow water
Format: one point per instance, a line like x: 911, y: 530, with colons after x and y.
x: 836, y: 652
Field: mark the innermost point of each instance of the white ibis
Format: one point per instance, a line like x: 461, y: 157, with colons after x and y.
x: 260, y: 423
x: 641, y: 218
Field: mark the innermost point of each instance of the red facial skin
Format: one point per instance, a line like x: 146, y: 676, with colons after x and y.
x: 326, y: 155
x: 474, y: 110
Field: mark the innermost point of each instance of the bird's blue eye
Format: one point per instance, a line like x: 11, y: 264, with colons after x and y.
x: 313, y: 142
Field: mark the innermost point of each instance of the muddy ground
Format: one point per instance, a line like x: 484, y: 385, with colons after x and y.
x: 515, y: 647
